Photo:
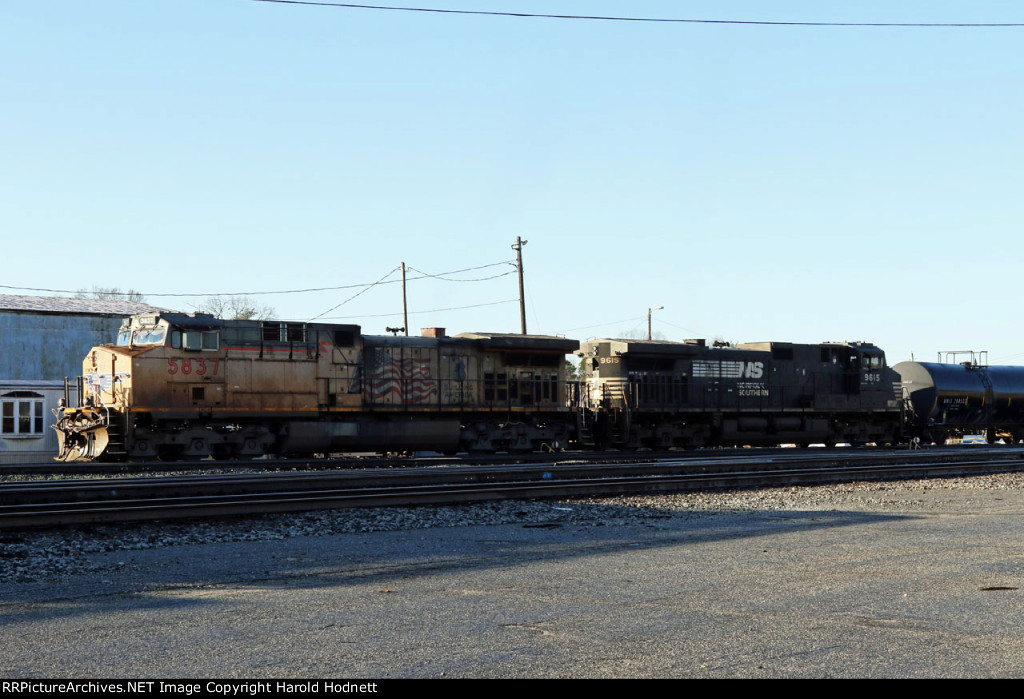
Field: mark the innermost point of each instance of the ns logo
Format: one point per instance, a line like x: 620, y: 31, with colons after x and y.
x: 728, y: 369
x: 752, y: 370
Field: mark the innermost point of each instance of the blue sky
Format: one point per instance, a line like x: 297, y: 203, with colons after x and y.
x: 759, y: 182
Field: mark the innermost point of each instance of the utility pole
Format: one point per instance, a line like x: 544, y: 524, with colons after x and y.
x: 518, y: 247
x: 649, y: 310
x: 405, y: 308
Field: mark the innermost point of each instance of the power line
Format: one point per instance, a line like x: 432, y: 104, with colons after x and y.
x: 603, y: 325
x: 648, y: 19
x: 435, y: 310
x: 273, y: 293
x: 441, y: 277
x: 696, y: 333
x: 379, y: 281
x: 533, y: 307
x: 179, y: 295
x: 425, y: 276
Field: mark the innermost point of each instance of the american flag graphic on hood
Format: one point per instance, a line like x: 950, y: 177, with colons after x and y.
x: 399, y: 379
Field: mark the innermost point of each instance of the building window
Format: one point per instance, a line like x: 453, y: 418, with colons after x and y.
x: 21, y: 416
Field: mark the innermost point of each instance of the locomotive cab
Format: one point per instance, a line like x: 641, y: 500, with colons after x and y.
x: 110, y: 389
x: 196, y: 332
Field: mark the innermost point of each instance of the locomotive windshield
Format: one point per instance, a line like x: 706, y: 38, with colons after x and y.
x: 141, y: 336
x: 150, y: 336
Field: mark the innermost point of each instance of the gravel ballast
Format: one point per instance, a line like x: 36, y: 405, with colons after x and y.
x: 53, y: 554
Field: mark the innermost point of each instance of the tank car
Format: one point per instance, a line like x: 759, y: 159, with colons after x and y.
x: 688, y: 394
x: 178, y: 386
x: 948, y: 400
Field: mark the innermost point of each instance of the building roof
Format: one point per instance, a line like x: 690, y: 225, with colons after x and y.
x: 60, y: 304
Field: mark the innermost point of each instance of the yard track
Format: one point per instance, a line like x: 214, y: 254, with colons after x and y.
x: 39, y: 503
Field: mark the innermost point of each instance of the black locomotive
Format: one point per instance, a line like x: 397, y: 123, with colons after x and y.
x: 669, y: 394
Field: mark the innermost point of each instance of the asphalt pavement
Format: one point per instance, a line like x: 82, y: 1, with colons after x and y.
x: 931, y: 589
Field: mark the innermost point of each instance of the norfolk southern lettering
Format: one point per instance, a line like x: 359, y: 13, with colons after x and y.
x: 746, y: 388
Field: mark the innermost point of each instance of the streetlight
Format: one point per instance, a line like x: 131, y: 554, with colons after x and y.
x: 649, y: 311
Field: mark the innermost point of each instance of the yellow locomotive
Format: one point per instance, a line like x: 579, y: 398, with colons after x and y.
x: 189, y: 386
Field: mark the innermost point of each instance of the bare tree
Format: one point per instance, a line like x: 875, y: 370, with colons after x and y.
x: 110, y: 293
x: 236, y: 308
x: 637, y: 334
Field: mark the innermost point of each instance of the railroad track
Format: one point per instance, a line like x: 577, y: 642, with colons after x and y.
x: 365, y: 462
x: 94, y: 501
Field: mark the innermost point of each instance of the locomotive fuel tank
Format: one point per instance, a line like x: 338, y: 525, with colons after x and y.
x: 947, y: 399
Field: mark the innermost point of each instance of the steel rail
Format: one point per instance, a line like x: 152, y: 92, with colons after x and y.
x: 375, y: 462
x: 202, y: 484
x: 630, y: 462
x: 110, y: 502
